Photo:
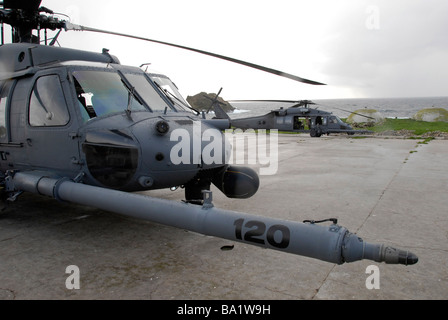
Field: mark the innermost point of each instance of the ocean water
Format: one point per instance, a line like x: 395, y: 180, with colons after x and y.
x: 388, y: 107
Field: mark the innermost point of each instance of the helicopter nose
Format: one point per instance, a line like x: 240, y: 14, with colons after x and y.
x: 175, y: 149
x: 199, y: 144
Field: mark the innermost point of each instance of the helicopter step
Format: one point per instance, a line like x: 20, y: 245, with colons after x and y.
x: 332, y: 243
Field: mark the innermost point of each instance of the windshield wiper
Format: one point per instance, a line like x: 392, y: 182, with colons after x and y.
x: 131, y: 93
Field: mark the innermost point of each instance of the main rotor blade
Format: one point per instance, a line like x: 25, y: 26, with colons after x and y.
x: 283, y: 101
x: 300, y: 101
x: 359, y: 114
x: 70, y: 26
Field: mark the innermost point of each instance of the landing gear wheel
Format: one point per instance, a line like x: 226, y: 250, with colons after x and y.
x: 316, y: 132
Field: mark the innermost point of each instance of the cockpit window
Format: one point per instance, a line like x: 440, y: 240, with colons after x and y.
x: 4, y: 92
x: 334, y: 119
x: 171, y: 91
x: 102, y: 92
x: 147, y: 92
x: 47, y: 103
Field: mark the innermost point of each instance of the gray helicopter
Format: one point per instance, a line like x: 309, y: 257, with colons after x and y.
x: 82, y: 128
x: 297, y: 118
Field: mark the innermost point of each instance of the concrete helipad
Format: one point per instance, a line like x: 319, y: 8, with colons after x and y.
x: 392, y: 191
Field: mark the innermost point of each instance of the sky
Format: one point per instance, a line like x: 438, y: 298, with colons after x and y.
x: 359, y: 49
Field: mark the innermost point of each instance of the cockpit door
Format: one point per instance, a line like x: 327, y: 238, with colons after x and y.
x: 52, y: 126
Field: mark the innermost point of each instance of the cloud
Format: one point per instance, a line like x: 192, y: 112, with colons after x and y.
x: 360, y: 48
x: 402, y: 57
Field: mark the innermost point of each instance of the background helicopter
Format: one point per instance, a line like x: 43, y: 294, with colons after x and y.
x: 80, y: 127
x: 297, y: 118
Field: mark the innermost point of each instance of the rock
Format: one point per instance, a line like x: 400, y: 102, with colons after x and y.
x: 432, y: 115
x: 201, y: 102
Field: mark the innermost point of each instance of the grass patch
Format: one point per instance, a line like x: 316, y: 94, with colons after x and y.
x: 425, y: 141
x: 418, y: 127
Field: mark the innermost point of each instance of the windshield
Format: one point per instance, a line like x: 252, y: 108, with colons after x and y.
x: 102, y: 92
x: 334, y: 119
x: 171, y: 91
x: 147, y: 91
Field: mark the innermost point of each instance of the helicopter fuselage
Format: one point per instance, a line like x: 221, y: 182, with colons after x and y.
x: 296, y: 119
x: 72, y: 113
